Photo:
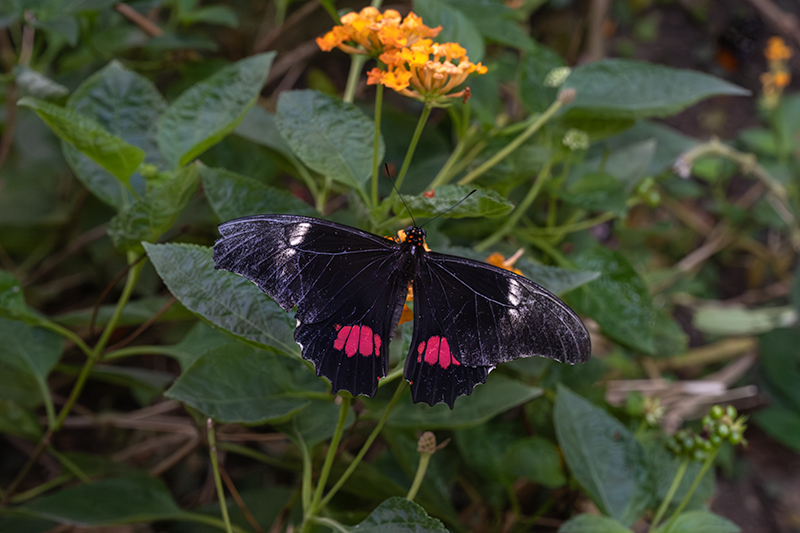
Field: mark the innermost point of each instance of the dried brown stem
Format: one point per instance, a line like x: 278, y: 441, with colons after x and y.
x: 144, y: 23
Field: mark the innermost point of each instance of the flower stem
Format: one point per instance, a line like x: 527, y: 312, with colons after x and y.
x: 212, y: 453
x: 423, y: 118
x: 523, y: 206
x: 424, y: 460
x: 700, y: 475
x: 356, y: 65
x: 376, y: 142
x: 366, y: 446
x: 513, y: 145
x: 344, y: 409
x: 671, y: 493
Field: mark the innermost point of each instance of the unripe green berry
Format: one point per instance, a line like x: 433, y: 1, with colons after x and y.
x: 716, y: 412
x: 735, y: 437
x: 723, y: 431
x: 715, y: 440
x: 699, y: 455
x: 731, y: 412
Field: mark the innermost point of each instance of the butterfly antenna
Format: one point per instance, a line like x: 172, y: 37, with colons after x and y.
x: 386, y: 166
x: 451, y: 207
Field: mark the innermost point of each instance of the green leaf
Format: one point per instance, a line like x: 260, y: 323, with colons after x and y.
x: 589, y: 523
x: 331, y: 137
x: 728, y: 321
x: 604, y: 457
x: 125, y: 104
x: 260, y: 126
x: 316, y: 423
x: 537, y: 460
x: 483, y: 203
x: 485, y: 448
x: 618, y: 300
x: 33, y: 83
x: 456, y: 26
x: 664, y: 466
x: 220, y: 15
x: 497, y: 395
x: 535, y: 65
x: 18, y: 421
x: 398, y: 515
x: 236, y: 383
x: 668, y: 336
x: 495, y: 21
x: 208, y: 111
x: 781, y: 420
x: 12, y: 300
x: 669, y: 144
x: 134, y: 313
x: 109, y: 151
x: 232, y: 195
x: 554, y: 279
x: 149, y: 218
x: 223, y: 298
x: 597, y: 192
x: 624, y: 88
x: 700, y: 522
x: 200, y: 339
x: 125, y: 500
x: 780, y: 361
x: 30, y: 351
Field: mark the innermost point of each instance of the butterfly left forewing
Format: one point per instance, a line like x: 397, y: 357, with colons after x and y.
x: 478, y: 316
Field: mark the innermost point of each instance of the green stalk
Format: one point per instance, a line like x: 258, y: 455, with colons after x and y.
x: 423, y: 118
x: 366, y: 446
x: 356, y: 65
x: 523, y: 206
x: 422, y: 467
x: 572, y: 228
x: 212, y: 453
x: 513, y: 145
x: 308, y: 466
x: 671, y: 493
x: 700, y: 475
x: 376, y: 142
x: 142, y: 350
x: 344, y: 409
x: 64, y: 332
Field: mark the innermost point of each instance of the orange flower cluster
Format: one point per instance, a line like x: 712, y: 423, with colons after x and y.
x: 375, y: 32
x: 778, y: 77
x: 413, y: 64
x: 426, y: 71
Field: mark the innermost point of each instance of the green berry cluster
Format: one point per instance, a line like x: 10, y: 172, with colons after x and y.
x: 719, y: 425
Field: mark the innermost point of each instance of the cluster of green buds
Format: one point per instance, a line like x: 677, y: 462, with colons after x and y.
x: 719, y: 425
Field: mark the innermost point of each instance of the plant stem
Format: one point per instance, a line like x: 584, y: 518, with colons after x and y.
x: 366, y: 446
x: 671, y: 493
x: 376, y: 141
x: 572, y: 228
x: 443, y: 176
x: 308, y: 466
x: 423, y: 118
x: 513, y: 145
x: 422, y: 467
x: 700, y: 475
x: 356, y: 65
x: 523, y: 206
x: 212, y: 453
x: 344, y: 409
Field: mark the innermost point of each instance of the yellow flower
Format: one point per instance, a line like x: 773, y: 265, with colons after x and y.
x: 375, y: 32
x: 426, y: 70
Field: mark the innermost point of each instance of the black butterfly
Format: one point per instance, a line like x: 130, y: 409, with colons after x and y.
x: 349, y: 287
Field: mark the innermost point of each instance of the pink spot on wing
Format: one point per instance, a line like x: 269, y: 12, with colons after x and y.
x: 341, y: 338
x: 437, y: 352
x: 432, y: 353
x: 377, y: 342
x: 420, y: 351
x: 351, y: 346
x: 365, y: 341
x: 445, y: 356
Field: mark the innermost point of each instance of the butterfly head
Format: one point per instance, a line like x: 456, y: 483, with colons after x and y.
x: 415, y: 236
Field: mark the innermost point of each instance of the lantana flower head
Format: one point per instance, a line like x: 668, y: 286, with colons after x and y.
x: 426, y: 71
x: 375, y: 32
x: 778, y: 76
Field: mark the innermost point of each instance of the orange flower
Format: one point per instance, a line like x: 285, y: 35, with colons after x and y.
x: 375, y: 32
x: 497, y: 259
x: 426, y: 70
x: 777, y: 50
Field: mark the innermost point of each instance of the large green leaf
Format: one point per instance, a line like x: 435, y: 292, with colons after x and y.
x: 618, y: 300
x: 700, y: 522
x: 223, y: 298
x: 780, y: 361
x: 124, y: 500
x: 554, y: 279
x: 127, y: 105
x: 589, y: 523
x: 149, y: 218
x: 12, y: 301
x: 536, y: 459
x: 536, y: 64
x: 30, y: 352
x: 236, y: 383
x: 208, y: 111
x: 497, y: 395
x: 398, y: 515
x: 597, y: 192
x: 456, y: 26
x: 624, y: 88
x: 482, y: 203
x: 316, y: 423
x: 496, y: 21
x: 109, y: 151
x: 331, y: 137
x: 260, y: 126
x: 232, y: 195
x: 604, y: 457
x: 18, y: 421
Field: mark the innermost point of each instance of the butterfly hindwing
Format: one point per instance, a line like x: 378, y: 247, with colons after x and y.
x: 345, y: 283
x: 471, y: 316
